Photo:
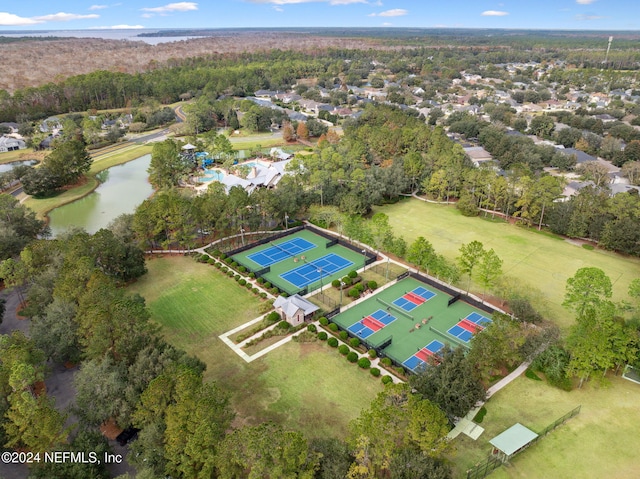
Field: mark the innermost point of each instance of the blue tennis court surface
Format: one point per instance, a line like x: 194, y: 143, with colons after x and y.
x: 425, y: 293
x: 421, y: 357
x: 478, y: 319
x: 405, y: 304
x: 316, y: 269
x: 281, y: 251
x: 463, y: 333
x: 360, y: 330
x: 384, y: 317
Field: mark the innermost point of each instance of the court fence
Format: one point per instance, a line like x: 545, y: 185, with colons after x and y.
x: 230, y: 245
x: 493, y: 462
x: 384, y: 271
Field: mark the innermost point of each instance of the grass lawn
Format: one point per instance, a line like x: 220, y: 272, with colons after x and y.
x: 16, y: 155
x: 541, y: 260
x: 308, y: 387
x: 599, y: 442
x: 42, y: 206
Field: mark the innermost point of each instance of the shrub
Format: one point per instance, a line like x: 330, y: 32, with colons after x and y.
x: 266, y: 306
x: 333, y: 342
x: 343, y: 335
x: 283, y: 325
x: 252, y: 275
x: 524, y: 310
x: 372, y: 353
x: 273, y: 316
x: 333, y: 327
x: 242, y: 282
x: 354, y: 293
x: 215, y: 253
x: 230, y: 273
x: 335, y: 283
x: 228, y: 260
x: 267, y: 285
x: 374, y: 372
x: 364, y: 363
x: 312, y: 328
x: 224, y: 269
x: 352, y: 357
x: 254, y: 290
x: 223, y: 256
x: 400, y: 370
x: 347, y: 281
x: 211, y: 261
x: 386, y: 379
x: 354, y: 342
x: 263, y: 295
x: 275, y: 291
x: 353, y: 274
x: 386, y: 361
x: 204, y: 258
x: 532, y: 375
x: 323, y: 321
x: 343, y: 349
x: 480, y: 415
x: 237, y: 277
x: 242, y: 269
x: 260, y: 280
x: 234, y: 264
x: 372, y: 285
x: 248, y: 285
x: 322, y: 336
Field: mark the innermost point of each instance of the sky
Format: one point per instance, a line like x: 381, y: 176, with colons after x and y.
x: 519, y: 14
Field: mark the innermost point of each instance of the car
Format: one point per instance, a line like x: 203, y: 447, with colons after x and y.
x: 128, y: 435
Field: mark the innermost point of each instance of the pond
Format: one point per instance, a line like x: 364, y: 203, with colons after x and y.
x: 10, y: 166
x: 122, y: 189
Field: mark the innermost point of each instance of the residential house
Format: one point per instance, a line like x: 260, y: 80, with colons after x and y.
x: 11, y: 126
x: 8, y: 143
x: 51, y: 125
x: 295, y: 310
x: 478, y: 155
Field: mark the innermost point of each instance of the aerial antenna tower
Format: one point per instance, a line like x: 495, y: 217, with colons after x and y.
x: 606, y: 57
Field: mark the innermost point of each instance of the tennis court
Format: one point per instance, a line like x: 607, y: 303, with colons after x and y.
x: 301, y: 260
x: 371, y: 324
x: 411, y: 300
x: 467, y: 327
x: 281, y: 251
x: 422, y: 321
x: 422, y: 357
x: 315, y: 270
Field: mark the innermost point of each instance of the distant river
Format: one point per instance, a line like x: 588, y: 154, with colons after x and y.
x: 108, y: 34
x: 123, y: 188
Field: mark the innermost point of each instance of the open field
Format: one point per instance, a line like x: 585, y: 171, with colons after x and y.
x: 599, y: 442
x: 541, y: 260
x: 42, y: 206
x: 302, y: 386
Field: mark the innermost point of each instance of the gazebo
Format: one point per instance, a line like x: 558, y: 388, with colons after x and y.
x: 513, y: 440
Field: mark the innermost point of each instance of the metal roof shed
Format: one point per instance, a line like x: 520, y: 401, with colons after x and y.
x: 512, y: 441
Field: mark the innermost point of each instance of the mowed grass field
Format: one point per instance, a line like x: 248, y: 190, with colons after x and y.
x: 539, y: 260
x: 601, y: 441
x: 307, y: 387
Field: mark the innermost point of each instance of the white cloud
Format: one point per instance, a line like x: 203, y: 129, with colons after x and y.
x: 64, y: 17
x: 294, y: 2
x: 584, y: 18
x: 494, y: 13
x: 172, y: 7
x: 278, y: 9
x: 585, y: 2
x: 396, y: 12
x: 9, y: 19
x: 98, y: 7
x: 119, y: 27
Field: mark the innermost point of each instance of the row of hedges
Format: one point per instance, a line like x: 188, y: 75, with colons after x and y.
x: 227, y: 266
x: 351, y: 356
